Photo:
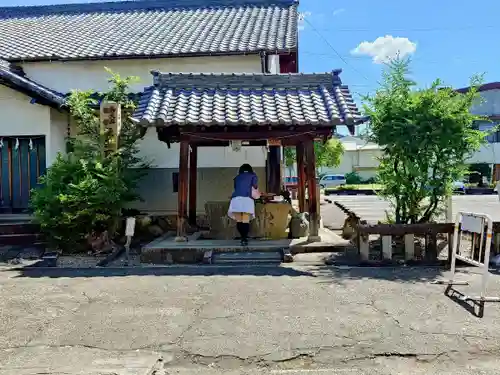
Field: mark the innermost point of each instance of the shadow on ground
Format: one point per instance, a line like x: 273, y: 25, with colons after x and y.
x: 338, y: 275
x: 195, y: 270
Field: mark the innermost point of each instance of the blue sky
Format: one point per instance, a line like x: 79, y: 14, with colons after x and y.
x: 444, y: 39
x: 452, y: 40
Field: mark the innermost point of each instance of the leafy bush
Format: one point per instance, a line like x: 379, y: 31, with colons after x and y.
x: 84, y: 192
x: 371, y: 180
x: 352, y: 178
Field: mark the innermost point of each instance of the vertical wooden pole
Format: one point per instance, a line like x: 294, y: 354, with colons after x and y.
x: 193, y: 174
x: 274, y: 169
x: 311, y: 187
x: 182, y: 195
x: 301, y: 175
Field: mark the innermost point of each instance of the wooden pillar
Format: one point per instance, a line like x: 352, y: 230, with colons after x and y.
x: 311, y: 187
x: 182, y: 195
x: 496, y: 173
x: 193, y: 174
x: 301, y: 175
x: 274, y: 181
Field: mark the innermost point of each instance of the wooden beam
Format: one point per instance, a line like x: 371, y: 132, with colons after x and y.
x: 182, y: 195
x: 312, y: 191
x: 260, y: 133
x: 193, y: 174
x: 301, y: 174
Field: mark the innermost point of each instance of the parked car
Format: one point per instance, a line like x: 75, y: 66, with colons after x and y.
x: 459, y: 186
x: 332, y: 181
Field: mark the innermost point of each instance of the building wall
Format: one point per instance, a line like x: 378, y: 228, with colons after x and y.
x: 217, y: 165
x: 364, y: 162
x: 214, y: 184
x: 489, y: 104
x: 92, y: 75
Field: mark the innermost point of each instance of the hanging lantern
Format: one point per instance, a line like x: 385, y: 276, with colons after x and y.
x: 1, y: 142
x: 30, y: 145
x: 17, y: 144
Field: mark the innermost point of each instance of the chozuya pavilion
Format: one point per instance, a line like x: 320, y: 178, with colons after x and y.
x: 276, y: 110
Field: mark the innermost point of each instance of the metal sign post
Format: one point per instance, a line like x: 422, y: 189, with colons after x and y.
x: 129, y: 233
x: 472, y: 245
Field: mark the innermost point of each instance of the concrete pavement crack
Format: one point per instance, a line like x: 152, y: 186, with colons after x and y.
x: 422, y: 332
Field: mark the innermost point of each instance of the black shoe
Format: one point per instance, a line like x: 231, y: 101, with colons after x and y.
x: 244, y: 242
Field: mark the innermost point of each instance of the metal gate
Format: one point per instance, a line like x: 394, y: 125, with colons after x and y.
x: 472, y: 245
x: 22, y: 162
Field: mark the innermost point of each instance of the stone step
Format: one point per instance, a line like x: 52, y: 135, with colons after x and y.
x: 20, y: 239
x: 246, y: 257
x: 18, y: 228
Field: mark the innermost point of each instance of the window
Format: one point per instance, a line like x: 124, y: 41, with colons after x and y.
x: 489, y: 127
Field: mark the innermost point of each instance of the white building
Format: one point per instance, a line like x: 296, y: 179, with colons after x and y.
x: 489, y: 107
x: 47, y: 51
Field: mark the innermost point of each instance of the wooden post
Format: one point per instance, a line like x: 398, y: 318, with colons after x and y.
x: 409, y: 246
x: 274, y: 181
x: 301, y: 175
x: 387, y: 248
x: 311, y: 187
x: 182, y: 195
x: 193, y: 174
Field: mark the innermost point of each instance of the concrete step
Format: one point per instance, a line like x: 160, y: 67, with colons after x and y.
x: 246, y: 257
x: 16, y: 218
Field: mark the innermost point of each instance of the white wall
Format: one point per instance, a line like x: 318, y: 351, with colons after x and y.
x: 488, y: 153
x: 20, y: 117
x: 91, y: 75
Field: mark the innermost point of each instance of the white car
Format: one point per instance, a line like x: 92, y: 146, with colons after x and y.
x: 332, y: 181
x: 460, y: 186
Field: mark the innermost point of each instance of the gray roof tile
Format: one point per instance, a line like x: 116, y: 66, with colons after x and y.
x: 13, y: 77
x: 246, y: 99
x: 147, y: 28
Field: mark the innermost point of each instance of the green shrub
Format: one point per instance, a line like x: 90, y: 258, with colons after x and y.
x: 371, y: 180
x: 84, y: 192
x: 352, y: 178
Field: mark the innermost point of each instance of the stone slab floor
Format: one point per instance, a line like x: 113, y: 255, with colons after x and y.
x: 302, y: 319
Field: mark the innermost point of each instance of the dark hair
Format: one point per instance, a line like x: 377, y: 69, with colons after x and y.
x: 245, y: 168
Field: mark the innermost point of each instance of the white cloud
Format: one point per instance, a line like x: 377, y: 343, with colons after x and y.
x: 338, y: 11
x: 385, y: 48
x: 302, y: 17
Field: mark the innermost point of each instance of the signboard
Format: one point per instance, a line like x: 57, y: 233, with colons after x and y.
x: 111, y: 123
x: 274, y: 142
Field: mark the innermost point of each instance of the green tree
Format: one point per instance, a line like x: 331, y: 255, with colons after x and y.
x: 426, y: 136
x: 83, y: 193
x: 328, y: 154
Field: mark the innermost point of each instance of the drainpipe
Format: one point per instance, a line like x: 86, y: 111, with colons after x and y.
x: 263, y: 62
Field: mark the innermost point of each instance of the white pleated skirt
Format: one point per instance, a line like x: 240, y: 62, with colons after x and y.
x: 241, y: 205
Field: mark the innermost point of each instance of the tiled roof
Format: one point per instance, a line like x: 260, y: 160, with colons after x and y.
x: 247, y: 99
x: 14, y: 78
x: 147, y: 28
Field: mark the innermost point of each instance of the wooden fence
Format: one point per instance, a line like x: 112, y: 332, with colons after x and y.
x: 392, y: 237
